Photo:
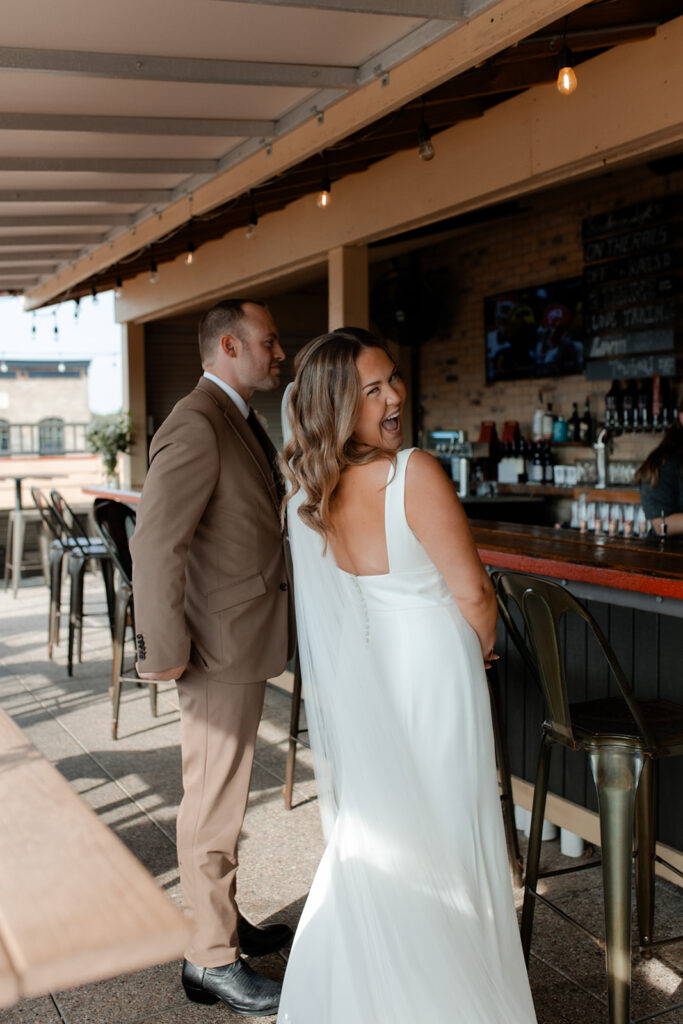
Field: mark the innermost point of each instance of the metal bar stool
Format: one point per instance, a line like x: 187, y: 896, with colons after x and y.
x: 623, y: 738
x: 115, y: 523
x: 15, y: 561
x: 81, y: 549
x: 59, y: 547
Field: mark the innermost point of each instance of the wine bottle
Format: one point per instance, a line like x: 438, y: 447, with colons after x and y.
x: 548, y: 420
x: 536, y: 467
x: 537, y: 426
x: 574, y: 425
x: 547, y: 464
x: 612, y: 421
x: 586, y: 425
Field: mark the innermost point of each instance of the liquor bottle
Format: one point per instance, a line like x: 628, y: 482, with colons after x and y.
x: 536, y: 468
x: 612, y: 419
x: 547, y: 464
x: 548, y: 420
x: 537, y: 426
x: 628, y: 407
x: 643, y: 403
x: 657, y: 403
x: 586, y: 425
x: 560, y: 429
x: 574, y: 425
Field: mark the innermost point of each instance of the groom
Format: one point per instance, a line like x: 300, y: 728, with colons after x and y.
x: 212, y: 612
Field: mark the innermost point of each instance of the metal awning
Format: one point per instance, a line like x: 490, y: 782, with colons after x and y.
x: 116, y: 117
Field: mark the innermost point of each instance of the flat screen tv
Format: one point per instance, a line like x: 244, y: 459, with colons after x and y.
x: 535, y: 331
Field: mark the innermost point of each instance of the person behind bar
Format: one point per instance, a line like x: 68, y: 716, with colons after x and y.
x: 411, y: 917
x: 212, y: 612
x: 661, y: 482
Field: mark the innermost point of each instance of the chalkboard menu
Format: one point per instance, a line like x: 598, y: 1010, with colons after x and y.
x: 631, y: 289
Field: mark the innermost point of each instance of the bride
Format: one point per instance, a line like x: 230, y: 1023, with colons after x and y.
x: 410, y: 919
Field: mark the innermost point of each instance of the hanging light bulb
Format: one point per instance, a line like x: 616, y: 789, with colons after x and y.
x: 566, y: 76
x: 153, y: 273
x: 425, y: 147
x: 252, y: 229
x: 93, y: 294
x: 324, y: 196
x: 77, y: 308
x: 55, y: 329
x: 33, y: 324
x: 189, y: 254
x: 118, y: 287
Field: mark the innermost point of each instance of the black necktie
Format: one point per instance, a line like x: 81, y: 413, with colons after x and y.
x: 270, y: 452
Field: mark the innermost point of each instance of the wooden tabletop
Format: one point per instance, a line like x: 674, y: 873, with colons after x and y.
x: 129, y: 496
x: 644, y: 566
x: 75, y: 904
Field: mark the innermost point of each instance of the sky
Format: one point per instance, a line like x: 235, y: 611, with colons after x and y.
x: 93, y: 334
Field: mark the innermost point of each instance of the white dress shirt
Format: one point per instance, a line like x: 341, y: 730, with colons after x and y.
x: 230, y: 392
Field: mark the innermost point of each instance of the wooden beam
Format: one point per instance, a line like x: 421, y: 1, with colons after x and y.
x: 546, y: 139
x: 503, y: 24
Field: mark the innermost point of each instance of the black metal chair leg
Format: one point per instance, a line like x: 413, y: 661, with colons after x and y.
x: 616, y: 770
x: 645, y: 853
x: 55, y: 561
x: 123, y: 598
x: 107, y: 567
x: 153, y: 693
x: 534, y: 852
x: 294, y: 718
x: 504, y: 780
x: 76, y: 572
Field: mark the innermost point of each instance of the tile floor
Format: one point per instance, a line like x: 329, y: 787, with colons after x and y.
x: 134, y: 785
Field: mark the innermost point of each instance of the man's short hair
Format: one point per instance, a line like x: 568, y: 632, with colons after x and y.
x: 224, y: 318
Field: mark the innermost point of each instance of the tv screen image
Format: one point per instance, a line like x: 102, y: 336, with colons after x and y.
x: 535, y: 331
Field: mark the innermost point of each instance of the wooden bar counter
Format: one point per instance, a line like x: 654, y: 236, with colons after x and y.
x: 634, y: 589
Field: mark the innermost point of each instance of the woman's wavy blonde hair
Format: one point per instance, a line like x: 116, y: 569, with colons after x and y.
x: 323, y: 408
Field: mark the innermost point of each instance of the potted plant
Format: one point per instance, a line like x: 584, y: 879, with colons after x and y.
x: 107, y: 436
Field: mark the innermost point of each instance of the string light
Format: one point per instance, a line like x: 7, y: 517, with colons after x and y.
x: 425, y: 147
x: 189, y: 254
x: 153, y: 273
x: 33, y: 325
x: 93, y: 294
x: 77, y: 308
x: 118, y: 287
x: 55, y: 329
x: 324, y: 196
x: 252, y: 228
x: 566, y: 76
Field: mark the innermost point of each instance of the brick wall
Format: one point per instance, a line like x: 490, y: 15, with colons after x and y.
x: 537, y: 246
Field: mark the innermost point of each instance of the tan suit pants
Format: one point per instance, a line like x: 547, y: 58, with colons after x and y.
x: 218, y: 723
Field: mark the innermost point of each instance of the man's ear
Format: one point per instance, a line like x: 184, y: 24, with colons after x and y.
x: 229, y: 344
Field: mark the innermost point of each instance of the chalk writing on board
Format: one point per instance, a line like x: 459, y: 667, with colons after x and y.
x: 633, y: 266
x: 637, y: 216
x: 633, y: 317
x: 629, y: 244
x: 626, y: 344
x: 630, y: 368
x: 647, y: 289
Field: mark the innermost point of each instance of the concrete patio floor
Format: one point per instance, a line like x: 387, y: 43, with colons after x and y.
x: 134, y: 786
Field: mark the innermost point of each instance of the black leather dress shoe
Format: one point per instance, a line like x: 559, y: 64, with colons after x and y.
x: 261, y: 941
x: 241, y: 989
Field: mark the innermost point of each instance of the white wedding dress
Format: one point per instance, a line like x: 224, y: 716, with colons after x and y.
x: 410, y: 919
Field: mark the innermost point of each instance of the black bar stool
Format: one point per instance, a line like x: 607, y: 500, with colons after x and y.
x: 81, y: 549
x: 623, y: 738
x: 115, y: 523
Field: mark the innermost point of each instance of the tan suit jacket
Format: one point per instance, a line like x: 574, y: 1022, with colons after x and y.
x: 209, y: 576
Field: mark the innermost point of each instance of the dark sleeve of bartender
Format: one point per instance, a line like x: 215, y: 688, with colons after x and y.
x: 663, y: 500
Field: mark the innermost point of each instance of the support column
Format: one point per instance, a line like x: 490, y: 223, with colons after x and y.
x: 347, y: 271
x: 134, y: 400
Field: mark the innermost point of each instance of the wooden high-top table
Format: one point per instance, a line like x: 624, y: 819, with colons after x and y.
x: 75, y: 904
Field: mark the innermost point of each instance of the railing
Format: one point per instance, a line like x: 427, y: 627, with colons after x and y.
x: 52, y: 437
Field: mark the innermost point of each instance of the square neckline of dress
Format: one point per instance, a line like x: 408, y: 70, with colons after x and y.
x: 374, y: 575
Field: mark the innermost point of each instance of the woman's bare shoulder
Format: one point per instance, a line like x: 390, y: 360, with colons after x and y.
x: 424, y: 471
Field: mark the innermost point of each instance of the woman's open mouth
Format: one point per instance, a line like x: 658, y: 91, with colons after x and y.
x: 392, y: 424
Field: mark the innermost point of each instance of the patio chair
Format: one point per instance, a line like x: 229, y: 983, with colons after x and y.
x: 82, y: 548
x: 59, y: 547
x: 115, y: 523
x: 624, y: 738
